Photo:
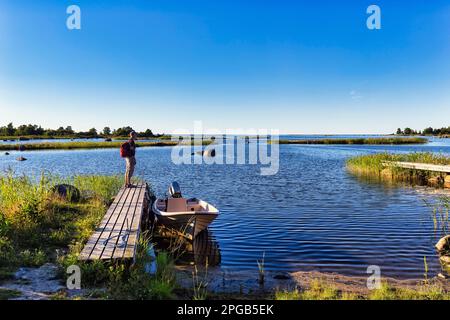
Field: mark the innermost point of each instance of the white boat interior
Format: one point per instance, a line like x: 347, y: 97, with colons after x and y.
x: 183, y: 206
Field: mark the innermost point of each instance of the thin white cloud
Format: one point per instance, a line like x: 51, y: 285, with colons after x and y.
x: 355, y: 95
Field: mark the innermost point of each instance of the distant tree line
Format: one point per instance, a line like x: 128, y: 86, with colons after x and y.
x: 36, y: 130
x: 426, y: 131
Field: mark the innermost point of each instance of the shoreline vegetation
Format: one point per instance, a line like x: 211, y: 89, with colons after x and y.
x: 80, y: 137
x: 33, y: 131
x: 381, y: 166
x: 89, y: 145
x: 359, y: 141
x: 443, y: 132
x: 71, y: 145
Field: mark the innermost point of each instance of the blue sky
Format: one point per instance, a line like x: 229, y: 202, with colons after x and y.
x: 298, y: 66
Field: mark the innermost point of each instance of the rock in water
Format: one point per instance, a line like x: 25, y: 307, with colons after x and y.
x: 206, y: 153
x: 445, y: 260
x: 68, y: 192
x: 21, y: 159
x: 282, y: 276
x: 212, y: 153
x: 6, y: 153
x: 443, y: 245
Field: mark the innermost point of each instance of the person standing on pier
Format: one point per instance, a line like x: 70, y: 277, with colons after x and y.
x: 128, y: 152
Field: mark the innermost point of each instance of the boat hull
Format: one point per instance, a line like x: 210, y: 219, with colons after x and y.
x: 190, y: 224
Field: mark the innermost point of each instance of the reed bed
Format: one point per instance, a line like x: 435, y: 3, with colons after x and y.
x: 357, y: 141
x: 374, y: 166
x: 89, y: 145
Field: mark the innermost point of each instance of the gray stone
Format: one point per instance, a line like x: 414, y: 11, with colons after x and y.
x: 67, y: 192
x: 443, y: 245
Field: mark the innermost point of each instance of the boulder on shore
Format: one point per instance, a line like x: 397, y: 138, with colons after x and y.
x: 443, y: 245
x: 67, y: 192
x: 445, y: 260
x: 447, y: 181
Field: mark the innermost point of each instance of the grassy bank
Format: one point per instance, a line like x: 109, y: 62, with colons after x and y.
x: 86, y: 145
x: 369, y: 141
x: 38, y: 227
x: 374, y: 166
x: 34, y: 222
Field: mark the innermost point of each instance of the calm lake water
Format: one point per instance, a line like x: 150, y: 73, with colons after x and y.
x: 312, y: 215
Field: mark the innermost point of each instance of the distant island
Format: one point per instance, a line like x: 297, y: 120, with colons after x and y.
x: 425, y: 132
x: 33, y: 131
x: 360, y: 141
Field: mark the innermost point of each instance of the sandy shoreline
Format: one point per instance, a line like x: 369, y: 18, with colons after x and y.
x: 239, y: 284
x: 43, y: 283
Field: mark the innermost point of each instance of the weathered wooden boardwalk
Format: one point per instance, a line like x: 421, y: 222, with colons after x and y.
x: 420, y: 166
x: 116, y: 238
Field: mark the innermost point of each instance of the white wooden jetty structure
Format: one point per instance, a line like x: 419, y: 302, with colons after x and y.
x: 443, y: 170
x: 420, y: 166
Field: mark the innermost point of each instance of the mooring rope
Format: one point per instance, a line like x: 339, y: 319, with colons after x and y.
x: 123, y: 235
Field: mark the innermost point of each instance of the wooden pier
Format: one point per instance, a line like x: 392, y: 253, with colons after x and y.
x: 420, y: 166
x: 116, y: 238
x: 443, y: 170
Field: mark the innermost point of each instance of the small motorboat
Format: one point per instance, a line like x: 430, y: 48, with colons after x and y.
x: 188, y: 216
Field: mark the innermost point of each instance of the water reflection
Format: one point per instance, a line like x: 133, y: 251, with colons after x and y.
x: 204, y: 249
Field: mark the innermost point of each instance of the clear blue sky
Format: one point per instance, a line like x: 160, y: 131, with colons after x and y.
x: 297, y: 66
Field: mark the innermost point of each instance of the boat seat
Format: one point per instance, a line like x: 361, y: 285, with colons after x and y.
x: 176, y: 205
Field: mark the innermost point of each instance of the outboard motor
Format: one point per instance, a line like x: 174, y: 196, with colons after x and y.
x: 175, y: 190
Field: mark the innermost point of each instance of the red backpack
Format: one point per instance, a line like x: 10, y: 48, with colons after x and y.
x: 125, y: 150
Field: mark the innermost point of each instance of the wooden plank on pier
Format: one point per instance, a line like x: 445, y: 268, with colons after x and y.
x: 118, y: 233
x: 419, y: 166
